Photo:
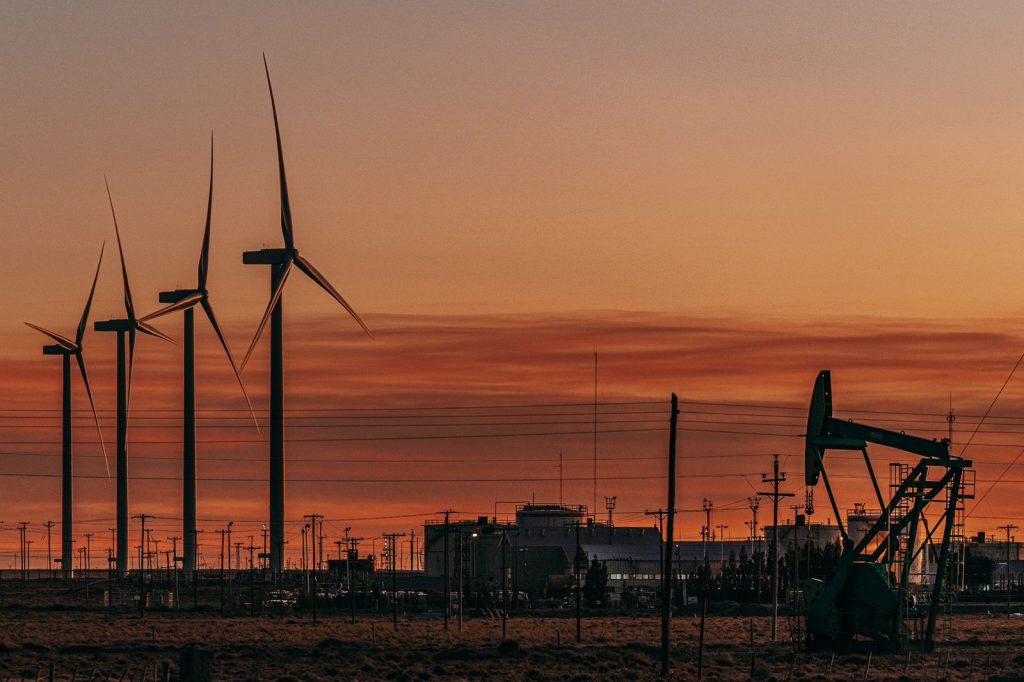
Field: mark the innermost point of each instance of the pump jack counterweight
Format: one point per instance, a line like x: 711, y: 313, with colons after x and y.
x: 863, y: 601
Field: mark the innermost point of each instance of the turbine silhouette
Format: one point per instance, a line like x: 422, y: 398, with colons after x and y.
x: 66, y: 348
x: 281, y: 262
x: 186, y: 300
x: 128, y: 327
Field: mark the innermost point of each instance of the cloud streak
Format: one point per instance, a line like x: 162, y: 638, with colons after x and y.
x: 345, y: 457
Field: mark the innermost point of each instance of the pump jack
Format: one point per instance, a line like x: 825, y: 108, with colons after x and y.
x: 869, y: 594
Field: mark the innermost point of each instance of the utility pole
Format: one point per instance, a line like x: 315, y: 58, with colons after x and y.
x: 302, y: 558
x: 142, y: 573
x: 447, y: 569
x: 391, y: 537
x: 313, y: 518
x: 229, y: 578
x: 49, y: 557
x: 666, y: 607
x: 88, y: 553
x: 709, y: 506
x: 721, y: 544
x: 113, y: 565
x: 252, y: 577
x: 322, y: 538
x: 609, y: 504
x: 222, y: 532
x: 110, y: 576
x: 174, y: 561
x: 353, y: 554
x: 238, y: 561
x: 660, y: 515
x: 412, y: 550
x: 576, y: 566
x: 755, y: 504
x: 265, y: 556
x: 504, y: 582
x: 195, y: 570
x: 1009, y: 528
x: 462, y: 565
x: 23, y: 530
x: 774, y: 480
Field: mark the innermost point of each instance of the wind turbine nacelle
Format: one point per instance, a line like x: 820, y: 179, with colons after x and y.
x: 113, y: 326
x: 176, y: 295
x: 266, y: 256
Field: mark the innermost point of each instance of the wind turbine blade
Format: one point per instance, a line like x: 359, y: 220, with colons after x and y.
x: 187, y: 302
x: 80, y: 334
x: 274, y: 298
x: 95, y: 417
x: 315, y: 275
x: 128, y: 306
x: 204, y: 255
x: 152, y: 331
x: 62, y: 341
x: 227, y: 351
x: 286, y: 209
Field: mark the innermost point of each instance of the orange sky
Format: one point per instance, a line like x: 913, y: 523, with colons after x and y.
x: 766, y: 191
x: 343, y: 462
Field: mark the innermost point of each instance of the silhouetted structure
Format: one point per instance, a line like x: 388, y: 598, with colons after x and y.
x: 281, y: 262
x: 66, y: 348
x: 126, y: 329
x: 186, y: 300
x: 541, y: 547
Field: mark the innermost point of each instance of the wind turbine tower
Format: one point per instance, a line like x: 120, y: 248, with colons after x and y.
x: 187, y: 300
x: 66, y: 349
x: 126, y: 329
x: 281, y: 262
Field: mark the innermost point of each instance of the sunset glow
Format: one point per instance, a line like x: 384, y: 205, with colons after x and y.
x: 719, y: 199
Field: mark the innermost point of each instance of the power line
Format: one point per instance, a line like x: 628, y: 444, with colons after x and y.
x: 339, y: 439
x: 588, y: 405
x: 503, y: 479
x: 375, y: 426
x: 469, y: 459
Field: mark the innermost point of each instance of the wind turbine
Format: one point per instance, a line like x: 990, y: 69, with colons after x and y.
x: 281, y: 262
x: 186, y: 300
x: 128, y: 326
x: 66, y: 348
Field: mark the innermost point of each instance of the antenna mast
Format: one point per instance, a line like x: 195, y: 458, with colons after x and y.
x: 595, y: 433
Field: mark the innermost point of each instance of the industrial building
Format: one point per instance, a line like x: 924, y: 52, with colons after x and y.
x: 539, y: 549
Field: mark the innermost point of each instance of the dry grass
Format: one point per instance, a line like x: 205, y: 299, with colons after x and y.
x: 613, y: 648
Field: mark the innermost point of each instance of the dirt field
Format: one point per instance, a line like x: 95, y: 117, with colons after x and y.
x: 112, y: 647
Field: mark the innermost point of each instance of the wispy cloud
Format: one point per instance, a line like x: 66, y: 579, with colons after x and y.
x: 496, y: 361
